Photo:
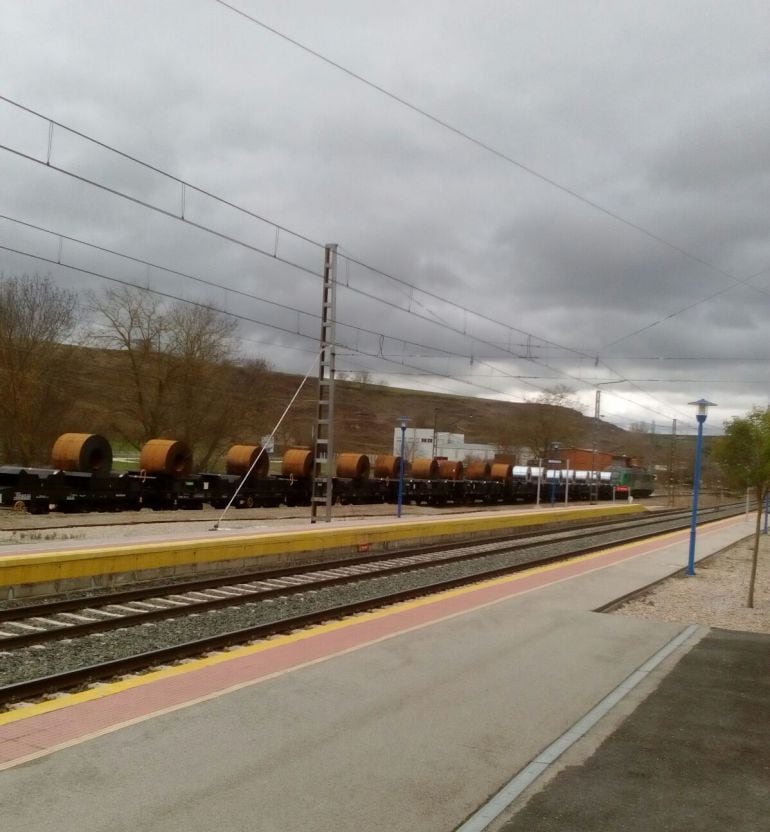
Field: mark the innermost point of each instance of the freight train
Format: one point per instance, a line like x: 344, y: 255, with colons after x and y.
x: 81, y: 479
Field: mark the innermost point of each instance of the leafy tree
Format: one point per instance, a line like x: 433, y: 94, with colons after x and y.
x: 35, y: 318
x: 744, y: 456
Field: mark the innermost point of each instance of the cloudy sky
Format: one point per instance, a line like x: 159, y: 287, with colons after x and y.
x: 525, y: 195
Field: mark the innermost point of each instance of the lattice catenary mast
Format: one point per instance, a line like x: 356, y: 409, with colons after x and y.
x: 323, y: 446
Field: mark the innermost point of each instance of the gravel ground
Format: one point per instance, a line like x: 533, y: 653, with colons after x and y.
x: 715, y: 596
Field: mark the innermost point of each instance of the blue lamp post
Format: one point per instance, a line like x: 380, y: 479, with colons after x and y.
x: 400, y: 502
x: 703, y: 407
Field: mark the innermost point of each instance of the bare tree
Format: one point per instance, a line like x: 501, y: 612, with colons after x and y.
x: 205, y: 405
x: 362, y: 377
x: 178, y: 366
x: 555, y: 418
x: 135, y: 323
x: 36, y: 318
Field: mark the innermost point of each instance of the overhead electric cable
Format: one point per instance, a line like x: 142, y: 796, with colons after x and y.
x: 687, y: 308
x: 341, y: 345
x: 274, y: 326
x: 256, y: 249
x: 180, y: 217
x: 249, y: 246
x: 238, y: 316
x: 176, y: 272
x: 434, y: 351
x: 477, y: 142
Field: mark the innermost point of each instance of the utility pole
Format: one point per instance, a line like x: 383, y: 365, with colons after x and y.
x: 597, y: 418
x: 597, y: 415
x: 671, y: 482
x: 323, y: 446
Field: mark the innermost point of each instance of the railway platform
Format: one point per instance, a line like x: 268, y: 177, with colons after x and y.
x: 133, y: 553
x: 410, y: 718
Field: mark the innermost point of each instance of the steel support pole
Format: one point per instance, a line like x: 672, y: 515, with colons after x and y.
x: 321, y: 492
x: 597, y: 414
x: 400, y: 501
x: 701, y: 417
x: 566, y: 484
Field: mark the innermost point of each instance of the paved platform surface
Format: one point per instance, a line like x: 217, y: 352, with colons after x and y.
x: 66, y: 535
x: 405, y: 719
x: 694, y: 755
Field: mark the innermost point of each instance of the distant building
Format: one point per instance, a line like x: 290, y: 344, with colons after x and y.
x: 418, y: 444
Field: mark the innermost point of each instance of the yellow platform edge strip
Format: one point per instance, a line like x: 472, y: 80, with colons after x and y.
x: 106, y: 560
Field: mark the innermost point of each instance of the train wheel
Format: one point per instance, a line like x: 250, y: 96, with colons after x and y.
x: 20, y: 506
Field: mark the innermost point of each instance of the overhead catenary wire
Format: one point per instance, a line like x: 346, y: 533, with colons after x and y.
x: 435, y: 351
x: 292, y: 264
x: 238, y: 316
x: 189, y: 186
x: 342, y: 345
x: 488, y: 148
x: 438, y: 352
x: 180, y: 217
x: 686, y: 308
x: 258, y: 250
x: 184, y: 185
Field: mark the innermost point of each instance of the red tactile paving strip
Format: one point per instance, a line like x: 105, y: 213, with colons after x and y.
x: 121, y: 704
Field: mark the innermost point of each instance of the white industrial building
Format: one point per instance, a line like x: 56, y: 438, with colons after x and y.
x: 424, y: 443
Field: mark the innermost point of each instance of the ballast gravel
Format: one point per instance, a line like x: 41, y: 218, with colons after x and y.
x: 56, y: 657
x: 716, y: 596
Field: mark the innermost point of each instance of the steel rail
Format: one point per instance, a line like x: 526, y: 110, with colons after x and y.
x: 154, y: 590
x: 180, y: 607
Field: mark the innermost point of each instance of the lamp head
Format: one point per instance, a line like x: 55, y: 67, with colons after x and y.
x: 703, y: 405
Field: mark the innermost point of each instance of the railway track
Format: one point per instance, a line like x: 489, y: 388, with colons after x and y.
x: 64, y: 643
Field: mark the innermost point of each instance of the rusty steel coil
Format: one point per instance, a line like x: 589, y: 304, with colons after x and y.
x: 353, y: 466
x: 450, y: 469
x: 387, y: 467
x: 240, y: 458
x: 166, y: 456
x: 424, y: 469
x: 82, y: 452
x: 501, y: 471
x: 297, y: 462
x: 478, y: 471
